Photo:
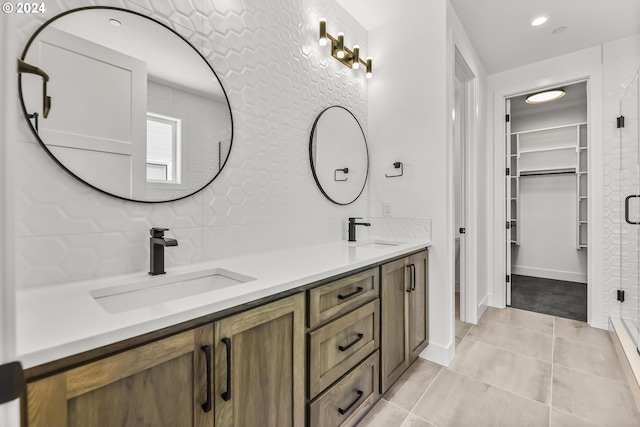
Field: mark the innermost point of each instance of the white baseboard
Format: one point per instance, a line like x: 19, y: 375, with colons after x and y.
x: 568, y: 276
x: 442, y: 355
x: 482, y: 307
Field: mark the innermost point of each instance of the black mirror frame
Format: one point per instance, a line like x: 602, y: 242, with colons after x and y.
x: 43, y: 145
x: 313, y: 169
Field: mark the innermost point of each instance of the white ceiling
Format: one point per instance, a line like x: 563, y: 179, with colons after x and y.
x: 500, y: 30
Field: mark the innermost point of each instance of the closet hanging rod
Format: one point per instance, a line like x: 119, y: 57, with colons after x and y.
x: 563, y: 171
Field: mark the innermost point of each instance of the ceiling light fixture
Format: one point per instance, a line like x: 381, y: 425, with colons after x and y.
x: 350, y: 58
x: 539, y: 21
x: 546, y: 96
x: 115, y: 22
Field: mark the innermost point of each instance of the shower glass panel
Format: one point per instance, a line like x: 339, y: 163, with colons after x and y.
x: 630, y: 212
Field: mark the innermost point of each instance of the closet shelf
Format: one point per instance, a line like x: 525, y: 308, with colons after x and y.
x: 542, y: 150
x: 583, y: 222
x: 549, y: 128
x: 583, y: 148
x: 547, y: 171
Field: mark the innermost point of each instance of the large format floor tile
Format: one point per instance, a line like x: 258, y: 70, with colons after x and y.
x: 513, y: 338
x: 562, y: 419
x: 524, y: 319
x: 589, y: 358
x: 510, y: 371
x: 384, y: 414
x: 406, y: 392
x: 457, y: 400
x: 581, y: 331
x: 594, y: 398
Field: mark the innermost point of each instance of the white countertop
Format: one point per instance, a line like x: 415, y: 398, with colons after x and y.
x: 62, y: 320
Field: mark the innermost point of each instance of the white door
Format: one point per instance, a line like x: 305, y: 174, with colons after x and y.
x: 97, y: 123
x: 508, y: 197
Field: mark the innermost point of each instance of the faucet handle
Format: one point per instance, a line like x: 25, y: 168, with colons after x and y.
x: 352, y: 219
x: 157, y: 232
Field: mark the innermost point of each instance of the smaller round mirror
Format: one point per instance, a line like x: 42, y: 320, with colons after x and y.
x: 339, y: 155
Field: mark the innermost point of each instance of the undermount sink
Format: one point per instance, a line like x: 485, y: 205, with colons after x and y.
x: 118, y: 299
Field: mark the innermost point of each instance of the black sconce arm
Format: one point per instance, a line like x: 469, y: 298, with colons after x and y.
x: 23, y: 67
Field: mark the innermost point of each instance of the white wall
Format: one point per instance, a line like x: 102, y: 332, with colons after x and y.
x: 581, y: 65
x: 277, y: 78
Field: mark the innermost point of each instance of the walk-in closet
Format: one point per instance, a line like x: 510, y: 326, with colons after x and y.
x: 547, y: 202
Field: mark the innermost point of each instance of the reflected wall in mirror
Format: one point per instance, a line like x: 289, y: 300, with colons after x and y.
x: 339, y: 155
x: 136, y: 110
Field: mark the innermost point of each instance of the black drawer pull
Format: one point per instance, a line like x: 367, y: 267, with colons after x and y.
x: 226, y: 396
x: 356, y: 292
x: 207, y: 406
x: 345, y: 410
x: 348, y: 346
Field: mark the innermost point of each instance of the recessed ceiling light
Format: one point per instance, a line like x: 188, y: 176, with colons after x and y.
x: 539, y: 21
x: 546, y: 96
x: 115, y: 22
x: 559, y: 30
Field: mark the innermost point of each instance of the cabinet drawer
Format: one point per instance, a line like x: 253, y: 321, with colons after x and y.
x: 339, y: 297
x: 340, y: 345
x: 344, y: 403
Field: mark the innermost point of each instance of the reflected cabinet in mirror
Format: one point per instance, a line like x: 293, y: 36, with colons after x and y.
x: 339, y: 155
x: 135, y: 110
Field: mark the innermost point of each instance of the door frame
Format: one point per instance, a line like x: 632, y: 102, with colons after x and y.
x: 468, y: 254
x: 593, y: 78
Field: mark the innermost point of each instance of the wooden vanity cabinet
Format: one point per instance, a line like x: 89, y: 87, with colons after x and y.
x: 164, y: 383
x: 404, y: 287
x: 260, y: 366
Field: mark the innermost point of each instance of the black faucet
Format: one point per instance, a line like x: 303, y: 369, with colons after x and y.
x: 352, y: 228
x: 157, y: 243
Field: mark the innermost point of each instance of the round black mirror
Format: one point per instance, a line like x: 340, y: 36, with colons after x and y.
x: 131, y: 108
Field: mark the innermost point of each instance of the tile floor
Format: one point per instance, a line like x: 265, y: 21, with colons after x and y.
x: 514, y: 368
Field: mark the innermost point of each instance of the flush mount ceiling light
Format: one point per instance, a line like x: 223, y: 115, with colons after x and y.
x: 546, y: 96
x: 115, y: 22
x: 350, y: 58
x: 539, y: 21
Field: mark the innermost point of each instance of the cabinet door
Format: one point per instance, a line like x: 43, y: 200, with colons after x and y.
x: 394, y: 316
x: 159, y: 384
x: 418, y: 304
x: 260, y: 356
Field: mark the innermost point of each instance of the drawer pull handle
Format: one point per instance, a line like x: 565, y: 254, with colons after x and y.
x: 226, y: 396
x: 345, y: 410
x: 206, y: 406
x: 413, y: 281
x: 356, y: 292
x: 348, y: 346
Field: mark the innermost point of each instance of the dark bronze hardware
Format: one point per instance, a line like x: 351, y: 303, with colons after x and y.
x: 343, y: 170
x: 626, y: 209
x: 348, y: 346
x: 396, y: 165
x: 357, y: 291
x: 226, y: 396
x: 345, y: 410
x: 413, y: 282
x: 23, y: 67
x: 207, y: 406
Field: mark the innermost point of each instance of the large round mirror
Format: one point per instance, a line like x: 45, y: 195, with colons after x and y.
x: 339, y: 155
x: 135, y: 111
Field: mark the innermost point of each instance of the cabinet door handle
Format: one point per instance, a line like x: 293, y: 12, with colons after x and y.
x: 345, y: 410
x: 410, y: 284
x: 348, y: 346
x: 413, y: 282
x: 356, y: 292
x: 626, y: 209
x: 226, y: 396
x: 206, y: 406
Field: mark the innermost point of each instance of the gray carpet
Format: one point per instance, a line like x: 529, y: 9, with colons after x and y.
x: 548, y: 296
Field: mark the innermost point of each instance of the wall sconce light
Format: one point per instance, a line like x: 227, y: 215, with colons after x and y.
x: 350, y: 58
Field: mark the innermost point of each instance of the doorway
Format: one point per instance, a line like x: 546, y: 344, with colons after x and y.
x: 546, y: 204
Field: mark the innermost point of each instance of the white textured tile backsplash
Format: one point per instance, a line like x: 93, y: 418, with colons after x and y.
x: 277, y: 79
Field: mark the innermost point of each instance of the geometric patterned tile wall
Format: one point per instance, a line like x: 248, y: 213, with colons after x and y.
x: 621, y: 60
x: 277, y: 79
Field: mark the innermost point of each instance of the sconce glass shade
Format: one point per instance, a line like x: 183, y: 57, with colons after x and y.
x: 369, y: 70
x: 323, y: 32
x: 356, y: 57
x: 340, y: 46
